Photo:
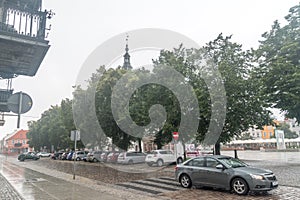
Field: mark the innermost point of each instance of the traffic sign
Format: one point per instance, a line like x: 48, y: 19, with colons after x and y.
x: 75, y: 135
x: 175, y: 135
x: 19, y: 103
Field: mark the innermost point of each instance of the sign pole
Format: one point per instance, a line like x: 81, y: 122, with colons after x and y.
x: 175, y: 137
x: 75, y: 142
x: 20, y: 109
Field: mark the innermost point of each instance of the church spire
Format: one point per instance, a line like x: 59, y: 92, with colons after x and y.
x: 126, y: 64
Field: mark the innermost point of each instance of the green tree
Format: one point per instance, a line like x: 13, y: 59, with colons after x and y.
x: 105, y: 117
x: 287, y: 131
x: 279, y: 66
x: 84, y: 113
x: 53, y: 128
x: 48, y: 130
x: 244, y: 104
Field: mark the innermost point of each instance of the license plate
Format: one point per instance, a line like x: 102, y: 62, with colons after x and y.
x: 274, y: 183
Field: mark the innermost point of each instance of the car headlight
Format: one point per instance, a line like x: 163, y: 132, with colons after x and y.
x: 258, y: 177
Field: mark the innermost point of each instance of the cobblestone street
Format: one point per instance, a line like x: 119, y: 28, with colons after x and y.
x: 50, y: 179
x: 280, y: 193
x: 7, y: 191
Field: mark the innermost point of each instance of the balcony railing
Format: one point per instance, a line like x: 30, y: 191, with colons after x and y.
x: 24, y: 18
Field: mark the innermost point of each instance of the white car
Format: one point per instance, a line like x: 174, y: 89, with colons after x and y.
x: 43, y: 154
x: 161, y: 157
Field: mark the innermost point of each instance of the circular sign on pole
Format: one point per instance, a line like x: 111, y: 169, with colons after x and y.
x: 19, y: 103
x: 175, y: 135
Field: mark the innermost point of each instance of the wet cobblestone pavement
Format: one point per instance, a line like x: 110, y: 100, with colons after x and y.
x: 148, y: 186
x: 279, y: 193
x: 7, y: 191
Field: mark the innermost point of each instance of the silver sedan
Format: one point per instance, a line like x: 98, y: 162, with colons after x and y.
x: 224, y: 172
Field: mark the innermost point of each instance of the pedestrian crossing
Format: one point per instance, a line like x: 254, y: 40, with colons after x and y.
x: 151, y: 186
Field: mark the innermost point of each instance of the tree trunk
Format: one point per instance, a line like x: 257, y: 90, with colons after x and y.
x: 217, y: 150
x: 140, y: 144
x: 184, y: 152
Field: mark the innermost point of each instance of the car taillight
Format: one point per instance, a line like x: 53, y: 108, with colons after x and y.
x: 176, y: 168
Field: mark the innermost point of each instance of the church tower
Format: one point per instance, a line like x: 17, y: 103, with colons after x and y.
x: 126, y: 64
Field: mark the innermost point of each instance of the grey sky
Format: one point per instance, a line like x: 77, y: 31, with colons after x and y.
x: 78, y: 27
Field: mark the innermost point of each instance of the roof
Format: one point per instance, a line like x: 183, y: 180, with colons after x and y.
x: 20, y: 134
x: 217, y: 156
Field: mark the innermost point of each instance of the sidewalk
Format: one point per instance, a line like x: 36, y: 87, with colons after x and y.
x: 39, y: 183
x: 7, y: 191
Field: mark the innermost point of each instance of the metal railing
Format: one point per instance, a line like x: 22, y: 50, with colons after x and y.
x: 24, y: 22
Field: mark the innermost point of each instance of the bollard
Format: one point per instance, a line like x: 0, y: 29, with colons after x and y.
x: 235, y: 154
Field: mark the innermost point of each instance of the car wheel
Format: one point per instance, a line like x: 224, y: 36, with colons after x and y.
x: 130, y: 162
x: 149, y: 164
x: 185, y: 181
x: 240, y: 186
x: 77, y: 159
x: 160, y: 163
x: 95, y: 160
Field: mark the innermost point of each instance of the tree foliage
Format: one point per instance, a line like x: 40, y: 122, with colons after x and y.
x: 84, y: 113
x: 279, y: 64
x: 53, y: 128
x: 287, y: 131
x: 245, y: 106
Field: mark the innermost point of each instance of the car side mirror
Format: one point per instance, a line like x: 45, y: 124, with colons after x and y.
x: 220, y: 166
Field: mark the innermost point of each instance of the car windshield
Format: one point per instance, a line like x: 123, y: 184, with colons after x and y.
x: 233, y: 162
x: 153, y: 152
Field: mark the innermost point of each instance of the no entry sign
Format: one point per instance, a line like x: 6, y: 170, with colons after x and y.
x: 175, y: 135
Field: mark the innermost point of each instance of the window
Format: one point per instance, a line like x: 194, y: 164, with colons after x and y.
x: 163, y: 152
x: 210, y: 162
x: 130, y: 154
x: 13, y: 141
x: 197, y: 162
x: 169, y: 152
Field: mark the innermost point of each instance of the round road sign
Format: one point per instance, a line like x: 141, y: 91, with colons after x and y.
x: 19, y: 103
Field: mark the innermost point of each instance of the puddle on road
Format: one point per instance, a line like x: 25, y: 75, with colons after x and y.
x: 34, y: 180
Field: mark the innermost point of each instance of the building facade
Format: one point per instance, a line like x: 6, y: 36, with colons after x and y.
x: 268, y: 132
x: 15, y: 143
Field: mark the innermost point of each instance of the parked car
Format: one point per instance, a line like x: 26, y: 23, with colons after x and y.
x: 104, y: 156
x: 43, y: 154
x: 131, y: 157
x: 113, y: 157
x: 28, y: 155
x: 70, y: 155
x: 95, y: 156
x: 161, y: 157
x: 64, y: 156
x: 57, y: 155
x: 224, y: 172
x: 86, y: 157
x: 78, y: 155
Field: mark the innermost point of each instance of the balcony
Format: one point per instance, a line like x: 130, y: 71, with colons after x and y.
x: 23, y: 43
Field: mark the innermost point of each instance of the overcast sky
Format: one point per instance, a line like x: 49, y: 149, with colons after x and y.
x: 79, y: 26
